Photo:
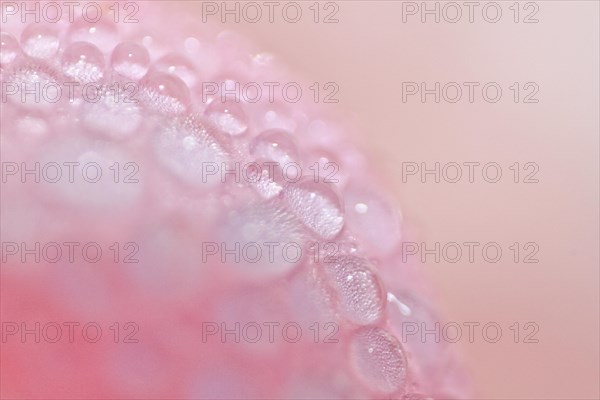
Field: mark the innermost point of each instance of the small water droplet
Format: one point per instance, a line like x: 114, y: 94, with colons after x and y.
x: 378, y: 359
x: 317, y: 205
x: 165, y: 93
x: 276, y: 145
x: 9, y: 48
x: 103, y: 33
x: 179, y: 66
x: 130, y: 60
x: 40, y: 41
x: 228, y: 117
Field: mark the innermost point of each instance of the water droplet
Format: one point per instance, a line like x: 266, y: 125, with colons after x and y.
x: 9, y: 48
x: 179, y: 66
x: 276, y: 145
x: 130, y: 60
x: 372, y: 219
x: 378, y: 359
x: 40, y: 41
x: 317, y: 205
x: 358, y: 290
x: 83, y: 61
x: 165, y: 93
x: 190, y: 152
x: 228, y: 117
x: 103, y: 33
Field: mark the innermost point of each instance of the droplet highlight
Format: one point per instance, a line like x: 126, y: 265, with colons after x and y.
x: 276, y: 145
x: 165, y: 93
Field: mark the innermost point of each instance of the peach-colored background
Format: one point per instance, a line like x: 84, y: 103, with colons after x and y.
x: 369, y: 53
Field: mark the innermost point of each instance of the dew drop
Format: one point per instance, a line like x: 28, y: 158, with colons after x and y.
x: 227, y: 116
x: 179, y: 66
x: 130, y: 60
x: 165, y: 93
x: 378, y: 359
x: 9, y: 48
x: 317, y: 205
x: 84, y: 62
x: 103, y: 33
x: 276, y: 145
x: 359, y: 293
x: 40, y: 41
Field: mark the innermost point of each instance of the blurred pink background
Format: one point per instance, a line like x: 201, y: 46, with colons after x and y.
x: 369, y: 53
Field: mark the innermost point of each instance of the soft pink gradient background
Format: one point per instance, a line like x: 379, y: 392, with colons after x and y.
x: 369, y: 53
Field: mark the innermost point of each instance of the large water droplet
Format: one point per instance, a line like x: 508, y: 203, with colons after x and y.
x: 227, y: 116
x: 84, y: 62
x: 40, y: 41
x: 179, y: 66
x: 130, y: 60
x: 165, y: 93
x: 276, y: 145
x: 378, y: 359
x: 9, y: 48
x: 103, y: 33
x: 190, y: 152
x: 359, y: 293
x: 317, y: 205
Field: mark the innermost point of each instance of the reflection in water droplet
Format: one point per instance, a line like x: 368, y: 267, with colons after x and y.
x: 40, y: 41
x: 317, y: 205
x: 130, y: 60
x: 228, y: 117
x: 83, y: 61
x: 9, y: 48
x: 378, y: 359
